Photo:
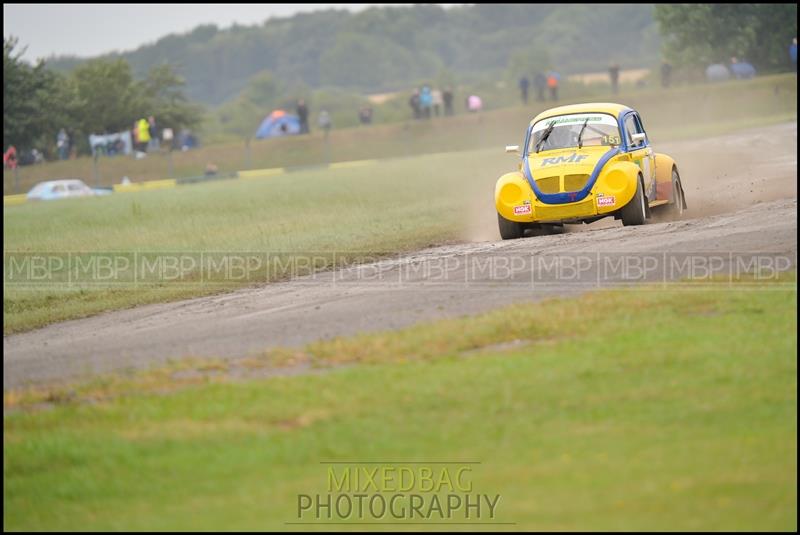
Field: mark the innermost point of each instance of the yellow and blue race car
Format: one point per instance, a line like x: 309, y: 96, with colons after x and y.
x: 581, y: 163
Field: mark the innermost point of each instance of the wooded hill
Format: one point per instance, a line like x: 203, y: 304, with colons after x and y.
x: 391, y: 48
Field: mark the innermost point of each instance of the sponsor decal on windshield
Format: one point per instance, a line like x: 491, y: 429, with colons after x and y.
x: 577, y: 119
x: 566, y: 120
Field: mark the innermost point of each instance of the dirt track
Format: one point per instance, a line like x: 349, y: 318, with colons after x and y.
x: 742, y: 195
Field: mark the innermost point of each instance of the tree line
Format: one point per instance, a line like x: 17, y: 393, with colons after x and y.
x: 697, y: 35
x: 381, y: 49
x: 98, y: 96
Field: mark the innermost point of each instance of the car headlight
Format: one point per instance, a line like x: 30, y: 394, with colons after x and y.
x: 511, y: 194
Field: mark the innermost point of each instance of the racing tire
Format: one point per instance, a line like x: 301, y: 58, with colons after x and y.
x: 635, y: 212
x: 510, y: 230
x: 678, y: 205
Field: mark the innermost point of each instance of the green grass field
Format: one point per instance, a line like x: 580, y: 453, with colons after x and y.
x: 653, y: 409
x: 394, y: 205
x: 399, y: 205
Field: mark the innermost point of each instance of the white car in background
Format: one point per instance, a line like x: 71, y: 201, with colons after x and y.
x: 63, y: 189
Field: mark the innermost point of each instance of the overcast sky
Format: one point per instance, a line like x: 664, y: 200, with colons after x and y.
x: 93, y: 29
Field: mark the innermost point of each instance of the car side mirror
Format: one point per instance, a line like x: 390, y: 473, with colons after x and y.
x: 638, y: 139
x: 512, y: 149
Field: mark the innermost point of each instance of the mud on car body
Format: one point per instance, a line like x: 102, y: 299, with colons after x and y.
x: 583, y: 162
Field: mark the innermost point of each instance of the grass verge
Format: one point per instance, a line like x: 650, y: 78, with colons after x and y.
x: 646, y: 408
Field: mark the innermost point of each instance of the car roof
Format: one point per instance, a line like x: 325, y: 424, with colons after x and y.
x: 65, y: 181
x: 589, y: 107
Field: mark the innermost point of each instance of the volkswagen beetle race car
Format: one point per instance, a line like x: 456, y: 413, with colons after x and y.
x: 581, y: 163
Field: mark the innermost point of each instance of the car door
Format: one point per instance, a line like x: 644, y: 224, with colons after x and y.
x: 59, y: 191
x: 649, y: 162
x: 641, y: 153
x: 76, y: 189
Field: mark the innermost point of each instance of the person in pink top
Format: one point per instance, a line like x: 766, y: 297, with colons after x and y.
x: 474, y: 103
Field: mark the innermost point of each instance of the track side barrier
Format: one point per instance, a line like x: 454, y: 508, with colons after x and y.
x: 10, y: 200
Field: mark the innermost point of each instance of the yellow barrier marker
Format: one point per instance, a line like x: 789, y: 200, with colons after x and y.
x: 171, y: 182
x: 150, y: 184
x: 160, y: 184
x: 9, y: 200
x: 356, y: 163
x: 260, y: 173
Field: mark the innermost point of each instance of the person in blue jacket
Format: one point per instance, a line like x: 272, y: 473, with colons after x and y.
x: 426, y: 101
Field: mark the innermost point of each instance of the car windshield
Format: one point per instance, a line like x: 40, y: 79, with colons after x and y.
x: 40, y: 188
x: 600, y: 129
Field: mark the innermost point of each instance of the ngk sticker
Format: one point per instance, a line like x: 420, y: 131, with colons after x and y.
x: 524, y: 209
x: 608, y: 200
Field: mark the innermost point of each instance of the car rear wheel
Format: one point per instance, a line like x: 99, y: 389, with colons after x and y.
x: 509, y: 230
x: 635, y: 212
x: 678, y: 201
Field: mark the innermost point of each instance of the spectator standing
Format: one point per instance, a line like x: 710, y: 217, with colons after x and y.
x: 365, y: 115
x: 474, y: 103
x: 540, y: 83
x: 793, y: 53
x: 613, y: 74
x: 426, y: 101
x: 10, y: 158
x: 415, y: 105
x: 167, y: 136
x: 144, y: 135
x: 302, y: 114
x: 62, y: 143
x: 437, y: 100
x: 135, y: 134
x: 666, y: 74
x: 154, y: 144
x: 447, y: 97
x: 524, y: 84
x: 552, y: 84
x: 324, y: 122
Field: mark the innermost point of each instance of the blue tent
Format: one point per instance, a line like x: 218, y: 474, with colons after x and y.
x: 278, y: 123
x: 743, y: 70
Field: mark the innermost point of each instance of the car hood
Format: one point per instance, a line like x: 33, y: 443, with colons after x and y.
x: 565, y: 161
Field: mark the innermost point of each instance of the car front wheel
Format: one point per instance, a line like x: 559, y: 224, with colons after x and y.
x: 509, y: 230
x: 635, y: 212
